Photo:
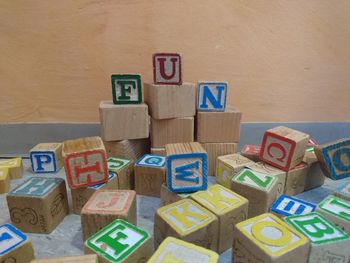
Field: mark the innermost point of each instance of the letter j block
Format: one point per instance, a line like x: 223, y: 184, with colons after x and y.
x: 211, y: 96
x: 126, y: 88
x: 46, y: 157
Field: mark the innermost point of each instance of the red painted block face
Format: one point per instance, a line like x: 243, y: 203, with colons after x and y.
x: 167, y: 68
x: 251, y: 149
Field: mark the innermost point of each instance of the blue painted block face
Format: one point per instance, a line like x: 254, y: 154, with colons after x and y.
x: 10, y: 238
x: 43, y: 162
x: 187, y: 172
x: 288, y: 206
x: 36, y: 186
x: 211, y: 96
x: 152, y: 160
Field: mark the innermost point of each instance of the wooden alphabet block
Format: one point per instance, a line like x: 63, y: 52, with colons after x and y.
x: 4, y: 180
x: 168, y: 197
x: 124, y: 168
x: 211, y: 96
x: 187, y: 167
x: 175, y: 250
x: 171, y: 101
x: 287, y: 206
x: 337, y: 210
x: 252, y: 152
x: 38, y: 205
x: 296, y: 179
x: 219, y: 126
x: 46, y: 157
x: 14, y: 166
x: 85, y: 162
x: 14, y: 245
x: 120, y: 241
x: 343, y: 191
x: 123, y: 122
x: 328, y: 242
x: 104, y: 206
x: 315, y: 177
x: 283, y: 147
x: 174, y: 130
x: 129, y: 149
x: 158, y: 151
x: 266, y: 238
x: 229, y: 207
x: 76, y: 259
x: 214, y: 150
x: 167, y: 68
x: 149, y: 174
x: 188, y: 221
x: 127, y: 88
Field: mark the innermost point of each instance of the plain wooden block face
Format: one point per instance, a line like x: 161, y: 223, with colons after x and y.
x: 174, y: 130
x: 120, y: 241
x: 266, y: 238
x: 252, y: 152
x: 219, y: 126
x: 287, y: 206
x: 188, y: 221
x: 343, y: 191
x: 283, y: 147
x: 123, y: 122
x: 168, y: 197
x: 176, y: 250
x: 14, y: 166
x: 14, y: 245
x: 315, y: 177
x: 158, y: 151
x: 296, y: 179
x: 167, y: 68
x: 126, y: 88
x: 229, y: 207
x: 171, y: 101
x: 77, y: 259
x: 4, y: 180
x: 130, y: 149
x: 46, y: 157
x: 211, y: 96
x: 124, y: 168
x: 38, y: 205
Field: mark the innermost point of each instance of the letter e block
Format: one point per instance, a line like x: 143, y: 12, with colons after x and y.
x: 126, y: 88
x: 167, y: 68
x: 4, y: 180
x: 14, y: 166
x: 124, y: 168
x: 46, y: 157
x: 287, y: 206
x: 343, y: 191
x: 211, y: 96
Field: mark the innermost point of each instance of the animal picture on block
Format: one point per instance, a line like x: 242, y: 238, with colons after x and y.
x: 211, y: 96
x: 85, y: 162
x: 14, y: 245
x: 46, y: 157
x: 187, y: 167
x: 126, y: 88
x: 177, y: 251
x: 124, y: 169
x: 343, y: 191
x: 287, y: 206
x: 167, y: 69
x: 120, y: 241
x: 14, y: 166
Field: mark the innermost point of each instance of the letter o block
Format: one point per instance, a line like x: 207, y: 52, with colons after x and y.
x: 46, y: 157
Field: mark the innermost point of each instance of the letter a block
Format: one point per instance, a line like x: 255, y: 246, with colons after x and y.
x: 229, y: 207
x: 211, y: 96
x: 4, y: 180
x: 14, y: 245
x: 173, y: 250
x: 283, y: 147
x: 46, y: 157
x: 187, y: 167
x: 328, y: 242
x: 85, y: 162
x: 188, y: 221
x: 124, y: 168
x: 167, y: 69
x: 126, y: 88
x: 120, y: 241
x: 287, y: 206
x: 343, y: 191
x: 38, y: 205
x: 266, y: 238
x: 14, y: 166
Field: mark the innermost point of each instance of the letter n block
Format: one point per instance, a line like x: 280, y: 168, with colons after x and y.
x: 14, y: 245
x: 46, y: 157
x: 85, y: 162
x: 283, y: 147
x: 266, y: 238
x: 126, y: 88
x: 38, y: 205
x: 14, y: 166
x: 287, y: 206
x: 211, y: 96
x: 4, y: 180
x: 187, y: 167
x: 343, y: 191
x: 167, y: 69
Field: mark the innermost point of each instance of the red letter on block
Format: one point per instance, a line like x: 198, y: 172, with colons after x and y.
x: 167, y: 68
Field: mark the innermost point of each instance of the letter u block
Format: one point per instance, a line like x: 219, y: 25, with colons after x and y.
x: 167, y: 69
x: 188, y: 221
x: 211, y: 96
x: 266, y: 238
x: 126, y: 88
x: 328, y: 242
x: 85, y: 162
x: 46, y: 157
x: 283, y: 147
x: 343, y: 191
x: 14, y: 166
x: 38, y: 205
x: 287, y: 206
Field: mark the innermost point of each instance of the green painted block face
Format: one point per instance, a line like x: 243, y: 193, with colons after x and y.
x: 117, y: 241
x: 115, y: 164
x: 255, y: 179
x: 336, y: 206
x: 126, y: 89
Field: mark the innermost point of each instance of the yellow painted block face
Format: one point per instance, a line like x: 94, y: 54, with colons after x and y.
x: 15, y: 162
x: 271, y: 234
x: 173, y: 250
x: 186, y: 216
x: 224, y: 174
x: 4, y: 173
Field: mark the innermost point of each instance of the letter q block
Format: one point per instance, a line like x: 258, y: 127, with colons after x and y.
x: 46, y: 157
x: 211, y: 96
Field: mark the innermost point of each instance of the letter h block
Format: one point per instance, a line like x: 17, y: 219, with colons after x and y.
x: 85, y: 162
x: 167, y: 69
x: 46, y: 157
x: 287, y: 206
x: 211, y: 96
x: 126, y: 88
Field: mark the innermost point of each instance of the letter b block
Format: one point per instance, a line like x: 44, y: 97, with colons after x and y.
x: 211, y: 96
x: 167, y: 69
x: 46, y: 157
x: 126, y: 88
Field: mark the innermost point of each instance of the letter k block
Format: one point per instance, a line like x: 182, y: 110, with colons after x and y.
x: 126, y: 88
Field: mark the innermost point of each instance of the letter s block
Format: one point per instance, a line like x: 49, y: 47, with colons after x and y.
x: 167, y: 69
x: 46, y: 157
x: 283, y: 147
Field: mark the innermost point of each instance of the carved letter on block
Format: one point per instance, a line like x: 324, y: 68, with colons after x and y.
x: 211, y: 96
x: 167, y: 68
x: 287, y: 205
x: 126, y: 88
x: 46, y: 157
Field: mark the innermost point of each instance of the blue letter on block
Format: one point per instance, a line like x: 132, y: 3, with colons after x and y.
x: 211, y: 96
x: 36, y: 186
x: 288, y: 206
x: 152, y: 160
x: 335, y: 156
x: 43, y: 162
x: 10, y: 238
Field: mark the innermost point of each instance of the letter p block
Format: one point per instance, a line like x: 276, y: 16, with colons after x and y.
x: 46, y: 157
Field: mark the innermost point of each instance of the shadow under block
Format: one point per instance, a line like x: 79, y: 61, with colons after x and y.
x: 296, y: 179
x: 130, y: 149
x: 159, y: 151
x: 124, y: 168
x: 46, y: 157
x: 168, y: 197
x: 174, y: 130
x: 178, y: 251
x: 214, y: 150
x: 218, y: 126
x: 283, y: 147
x: 4, y: 180
x: 120, y: 241
x: 315, y: 177
x: 266, y: 238
x: 188, y: 221
x: 123, y: 122
x: 85, y: 162
x: 252, y: 152
x: 288, y: 205
x: 76, y: 259
x: 328, y: 242
x: 149, y: 175
x: 171, y: 101
x: 229, y: 207
x: 343, y: 191
x: 14, y: 245
x: 38, y: 205
x: 14, y: 166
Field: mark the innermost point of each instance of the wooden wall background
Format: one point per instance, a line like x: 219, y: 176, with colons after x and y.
x: 284, y: 60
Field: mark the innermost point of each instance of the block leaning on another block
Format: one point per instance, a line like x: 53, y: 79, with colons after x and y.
x: 46, y: 157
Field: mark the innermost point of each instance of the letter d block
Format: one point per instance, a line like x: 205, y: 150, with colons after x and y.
x: 167, y: 68
x: 211, y: 96
x: 85, y: 162
x: 46, y: 157
x: 126, y: 88
x: 283, y: 147
x: 266, y: 238
x: 343, y: 191
x: 287, y: 206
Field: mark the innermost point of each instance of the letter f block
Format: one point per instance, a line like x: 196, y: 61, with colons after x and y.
x: 126, y: 88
